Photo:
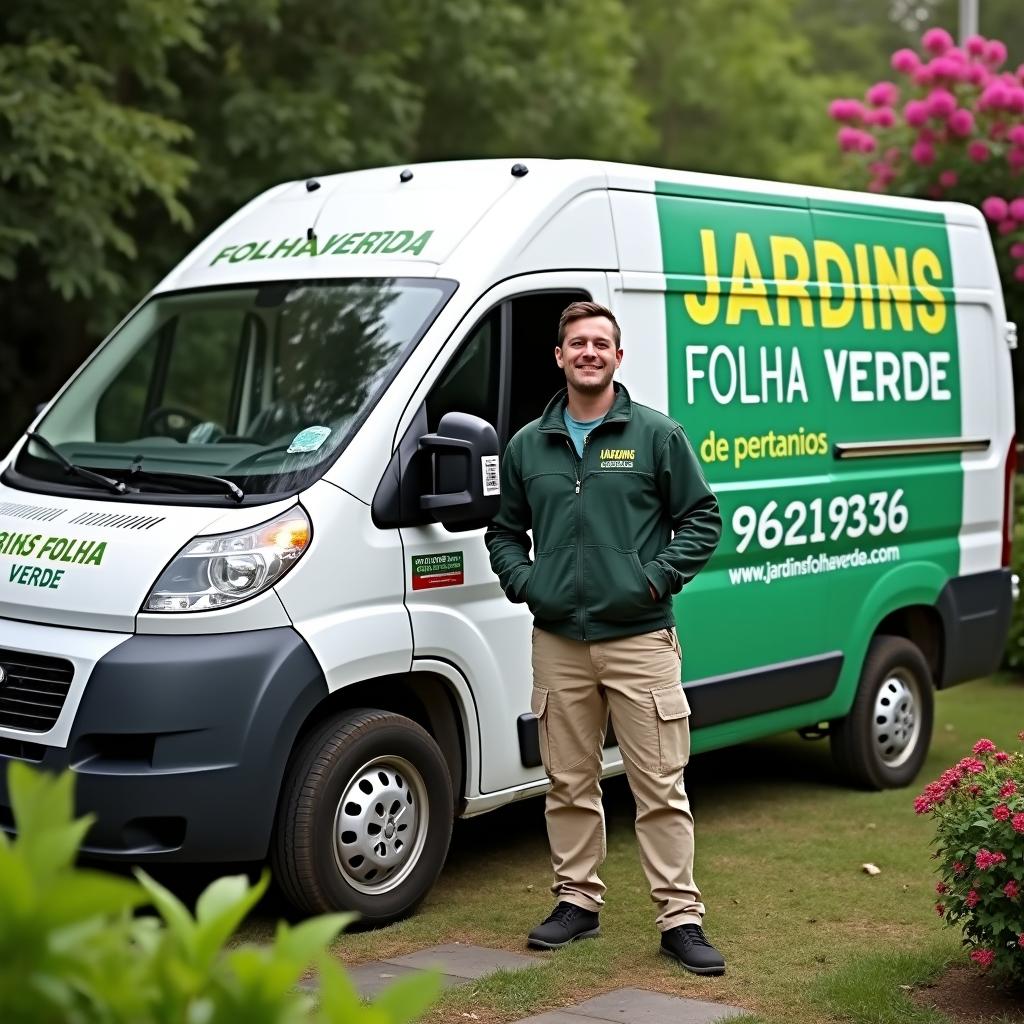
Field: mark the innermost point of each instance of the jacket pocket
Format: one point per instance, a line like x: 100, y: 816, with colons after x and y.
x: 616, y: 585
x: 673, y: 711
x: 551, y: 590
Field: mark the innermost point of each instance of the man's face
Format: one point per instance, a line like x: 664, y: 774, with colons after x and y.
x: 588, y: 354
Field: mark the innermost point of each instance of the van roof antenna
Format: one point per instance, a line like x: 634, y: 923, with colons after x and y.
x: 312, y: 185
x: 520, y: 170
x: 405, y: 176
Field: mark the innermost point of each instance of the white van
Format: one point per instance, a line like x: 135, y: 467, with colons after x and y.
x: 244, y: 593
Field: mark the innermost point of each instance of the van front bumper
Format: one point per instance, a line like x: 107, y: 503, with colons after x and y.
x: 180, y: 743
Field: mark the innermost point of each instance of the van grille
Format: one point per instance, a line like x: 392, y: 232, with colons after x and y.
x: 33, y: 691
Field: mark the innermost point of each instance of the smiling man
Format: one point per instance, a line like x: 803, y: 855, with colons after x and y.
x: 622, y: 518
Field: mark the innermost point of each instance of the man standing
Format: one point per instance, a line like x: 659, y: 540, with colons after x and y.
x: 622, y: 518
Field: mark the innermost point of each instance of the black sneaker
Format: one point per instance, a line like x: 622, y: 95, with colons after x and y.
x: 564, y: 924
x: 688, y: 945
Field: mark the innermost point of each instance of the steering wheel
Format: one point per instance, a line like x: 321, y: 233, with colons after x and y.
x: 170, y: 421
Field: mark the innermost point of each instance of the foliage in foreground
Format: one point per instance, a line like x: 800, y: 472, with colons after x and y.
x: 978, y: 809
x: 73, y: 952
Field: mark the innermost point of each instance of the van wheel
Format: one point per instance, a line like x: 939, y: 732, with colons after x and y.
x: 364, y: 819
x: 883, y: 741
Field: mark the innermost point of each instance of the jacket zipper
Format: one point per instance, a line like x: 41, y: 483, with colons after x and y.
x: 577, y: 463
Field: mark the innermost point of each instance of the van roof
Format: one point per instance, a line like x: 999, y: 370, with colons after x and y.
x: 408, y: 221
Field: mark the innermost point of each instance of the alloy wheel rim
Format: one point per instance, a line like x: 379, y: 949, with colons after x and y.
x: 380, y: 825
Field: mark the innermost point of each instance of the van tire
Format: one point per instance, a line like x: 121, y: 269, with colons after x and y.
x: 321, y: 797
x: 894, y: 680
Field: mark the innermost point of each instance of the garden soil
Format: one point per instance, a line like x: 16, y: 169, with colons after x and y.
x: 968, y: 997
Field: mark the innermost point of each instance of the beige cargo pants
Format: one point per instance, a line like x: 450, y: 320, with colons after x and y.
x: 637, y: 679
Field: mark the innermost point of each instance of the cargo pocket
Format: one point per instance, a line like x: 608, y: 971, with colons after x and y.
x: 539, y: 707
x: 673, y: 712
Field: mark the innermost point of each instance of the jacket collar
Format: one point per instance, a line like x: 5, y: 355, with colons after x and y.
x: 552, y: 420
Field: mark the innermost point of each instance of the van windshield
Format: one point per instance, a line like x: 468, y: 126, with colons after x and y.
x: 260, y: 386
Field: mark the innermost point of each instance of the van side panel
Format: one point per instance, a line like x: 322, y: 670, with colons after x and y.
x: 801, y: 334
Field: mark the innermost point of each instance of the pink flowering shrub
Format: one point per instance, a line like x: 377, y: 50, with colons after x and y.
x: 953, y: 128
x: 978, y: 809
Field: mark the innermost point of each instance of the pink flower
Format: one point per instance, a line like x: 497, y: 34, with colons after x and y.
x: 905, y: 61
x: 1016, y: 210
x: 883, y: 117
x: 853, y: 140
x: 995, y: 96
x: 1008, y: 226
x: 1017, y: 821
x: 938, y: 41
x: 949, y: 67
x: 922, y: 75
x: 972, y: 899
x: 1010, y: 788
x: 922, y: 152
x: 961, y: 122
x: 975, y: 45
x: 940, y: 910
x: 1018, y: 273
x: 958, y: 868
x: 984, y: 746
x: 973, y: 790
x: 994, y: 208
x: 846, y: 110
x: 916, y: 113
x: 1001, y: 756
x: 883, y: 94
x: 922, y: 805
x: 948, y: 179
x: 1020, y: 940
x: 972, y: 765
x: 1015, y: 157
x: 1012, y: 890
x: 941, y: 888
x: 1015, y: 100
x: 977, y: 151
x: 985, y: 859
x: 985, y: 957
x: 940, y: 103
x: 1001, y: 812
x: 997, y: 131
x: 995, y: 53
x: 977, y: 74
x: 1016, y: 134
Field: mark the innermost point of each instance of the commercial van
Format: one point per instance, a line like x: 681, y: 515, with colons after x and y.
x: 244, y: 594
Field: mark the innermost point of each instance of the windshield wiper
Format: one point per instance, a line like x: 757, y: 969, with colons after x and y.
x: 208, y: 481
x: 114, y: 486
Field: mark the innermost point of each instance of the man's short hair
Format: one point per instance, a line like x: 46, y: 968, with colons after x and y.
x: 582, y: 310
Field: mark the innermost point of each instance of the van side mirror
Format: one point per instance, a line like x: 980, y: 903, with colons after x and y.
x: 464, y: 478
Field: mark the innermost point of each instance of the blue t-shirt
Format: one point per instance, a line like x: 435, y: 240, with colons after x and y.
x: 578, y: 429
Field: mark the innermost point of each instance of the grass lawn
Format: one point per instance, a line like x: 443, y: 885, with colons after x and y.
x: 808, y: 936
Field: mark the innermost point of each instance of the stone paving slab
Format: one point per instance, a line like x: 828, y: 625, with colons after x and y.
x: 370, y: 978
x: 636, y: 1006
x: 562, y: 1017
x: 462, y: 960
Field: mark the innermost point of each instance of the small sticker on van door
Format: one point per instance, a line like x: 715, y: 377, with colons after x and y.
x: 492, y: 484
x: 443, y: 570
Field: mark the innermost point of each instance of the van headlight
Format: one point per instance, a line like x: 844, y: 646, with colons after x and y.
x: 220, y: 570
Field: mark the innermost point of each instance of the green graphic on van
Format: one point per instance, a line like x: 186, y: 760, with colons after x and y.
x: 356, y: 243
x: 792, y: 328
x: 55, y: 549
x: 444, y: 570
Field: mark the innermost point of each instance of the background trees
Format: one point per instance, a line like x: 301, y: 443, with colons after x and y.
x: 128, y: 128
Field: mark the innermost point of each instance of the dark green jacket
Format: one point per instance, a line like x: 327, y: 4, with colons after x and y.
x: 634, y: 512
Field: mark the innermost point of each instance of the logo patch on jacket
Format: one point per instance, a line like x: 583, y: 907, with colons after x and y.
x: 617, y: 458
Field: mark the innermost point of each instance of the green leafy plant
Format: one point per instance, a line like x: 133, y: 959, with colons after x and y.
x: 978, y: 809
x: 75, y: 950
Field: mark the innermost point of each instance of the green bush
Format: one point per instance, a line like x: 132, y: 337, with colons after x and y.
x: 978, y: 810
x: 74, y: 950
